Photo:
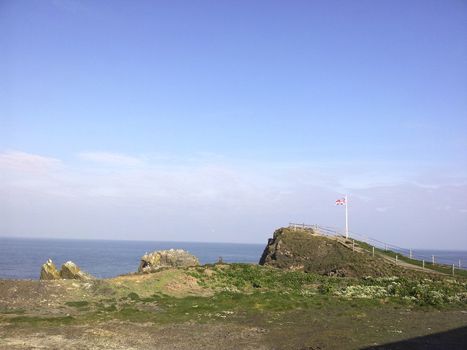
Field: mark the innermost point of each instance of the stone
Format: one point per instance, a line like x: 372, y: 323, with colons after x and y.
x: 166, y: 258
x: 71, y: 271
x: 49, y: 271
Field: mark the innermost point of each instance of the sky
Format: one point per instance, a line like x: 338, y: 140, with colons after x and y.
x: 224, y: 120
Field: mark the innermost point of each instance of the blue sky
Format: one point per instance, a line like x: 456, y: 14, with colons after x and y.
x: 231, y: 118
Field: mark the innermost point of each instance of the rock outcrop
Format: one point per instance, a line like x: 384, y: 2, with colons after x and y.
x: 69, y: 270
x: 49, y: 271
x: 166, y: 258
x: 305, y: 250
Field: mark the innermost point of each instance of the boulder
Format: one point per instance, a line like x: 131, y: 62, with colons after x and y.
x: 71, y: 271
x: 166, y: 258
x: 49, y: 271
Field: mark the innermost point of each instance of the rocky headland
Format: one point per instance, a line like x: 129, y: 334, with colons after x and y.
x: 307, y: 250
x: 157, y: 260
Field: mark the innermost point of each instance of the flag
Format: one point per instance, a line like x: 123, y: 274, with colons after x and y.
x: 340, y: 201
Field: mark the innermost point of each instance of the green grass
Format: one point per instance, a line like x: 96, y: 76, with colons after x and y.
x: 133, y: 296
x: 41, y: 321
x: 243, y: 291
x: 446, y: 269
x: 134, y: 315
x: 249, y: 277
x: 416, y: 289
x: 78, y: 304
x: 225, y: 306
x: 12, y: 311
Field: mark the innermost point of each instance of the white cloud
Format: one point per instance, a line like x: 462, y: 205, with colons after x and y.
x: 111, y: 195
x: 108, y: 158
x: 26, y: 162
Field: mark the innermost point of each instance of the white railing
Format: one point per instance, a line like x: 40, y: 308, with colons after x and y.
x: 409, y: 253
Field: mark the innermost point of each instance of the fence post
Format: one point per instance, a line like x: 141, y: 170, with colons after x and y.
x: 373, y: 253
x: 459, y: 263
x: 410, y: 255
x: 423, y: 264
x: 453, y: 269
x: 433, y: 260
x: 396, y: 259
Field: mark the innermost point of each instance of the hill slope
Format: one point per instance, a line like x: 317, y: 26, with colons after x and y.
x: 305, y: 250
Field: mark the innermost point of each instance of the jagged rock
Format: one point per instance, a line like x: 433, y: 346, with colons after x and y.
x: 166, y: 258
x: 71, y: 271
x: 49, y: 271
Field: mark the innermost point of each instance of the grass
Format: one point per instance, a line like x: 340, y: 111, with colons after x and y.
x: 12, y: 311
x: 445, y: 269
x: 134, y: 315
x: 225, y: 306
x: 250, y: 279
x: 78, y: 304
x: 133, y: 296
x: 40, y: 321
x: 326, y: 256
x: 244, y: 291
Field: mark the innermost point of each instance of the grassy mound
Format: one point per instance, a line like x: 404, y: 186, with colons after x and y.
x: 302, y: 250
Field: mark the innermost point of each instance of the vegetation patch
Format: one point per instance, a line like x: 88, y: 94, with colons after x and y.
x: 78, y: 304
x: 40, y: 321
x: 12, y: 311
x: 133, y: 296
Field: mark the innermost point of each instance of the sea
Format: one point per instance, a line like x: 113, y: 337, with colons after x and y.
x: 22, y: 258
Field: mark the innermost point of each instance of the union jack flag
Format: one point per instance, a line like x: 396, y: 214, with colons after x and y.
x: 340, y: 201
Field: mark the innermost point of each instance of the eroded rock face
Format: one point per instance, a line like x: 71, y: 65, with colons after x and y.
x: 71, y: 271
x: 166, y: 258
x: 49, y: 271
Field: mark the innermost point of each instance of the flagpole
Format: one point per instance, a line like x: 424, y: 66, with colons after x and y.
x: 346, y: 218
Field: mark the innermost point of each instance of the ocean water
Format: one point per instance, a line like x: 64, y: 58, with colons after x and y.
x: 447, y: 257
x: 21, y: 258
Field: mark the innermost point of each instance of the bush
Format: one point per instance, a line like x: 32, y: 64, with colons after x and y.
x: 133, y: 296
